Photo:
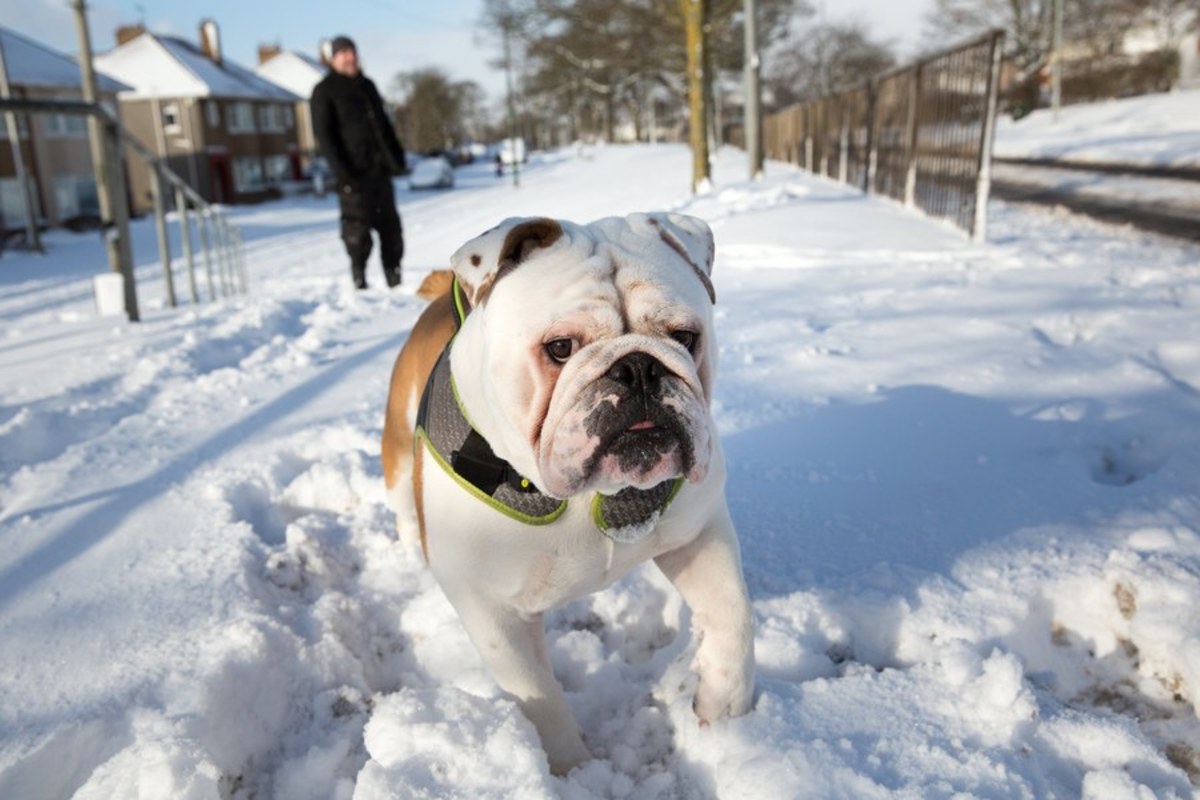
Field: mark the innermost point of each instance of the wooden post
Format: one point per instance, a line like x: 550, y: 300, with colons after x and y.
x: 753, y: 107
x: 105, y: 139
x: 693, y: 25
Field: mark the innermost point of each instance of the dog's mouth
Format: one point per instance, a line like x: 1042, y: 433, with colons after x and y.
x: 637, y: 437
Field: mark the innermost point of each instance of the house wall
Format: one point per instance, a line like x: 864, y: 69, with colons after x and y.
x: 223, y: 165
x: 57, y: 156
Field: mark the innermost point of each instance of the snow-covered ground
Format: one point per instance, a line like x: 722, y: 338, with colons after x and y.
x: 966, y: 479
x: 1148, y: 130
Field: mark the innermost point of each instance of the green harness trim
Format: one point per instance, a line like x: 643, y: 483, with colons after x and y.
x: 444, y: 428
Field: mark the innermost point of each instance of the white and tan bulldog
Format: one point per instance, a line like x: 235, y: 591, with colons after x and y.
x: 562, y: 436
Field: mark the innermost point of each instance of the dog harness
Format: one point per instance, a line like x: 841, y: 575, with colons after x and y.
x: 458, y: 448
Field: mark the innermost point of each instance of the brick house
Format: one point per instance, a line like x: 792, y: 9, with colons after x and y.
x: 229, y: 133
x: 299, y: 74
x: 54, y: 147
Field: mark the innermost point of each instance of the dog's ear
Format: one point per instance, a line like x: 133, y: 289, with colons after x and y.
x: 490, y: 256
x: 692, y: 239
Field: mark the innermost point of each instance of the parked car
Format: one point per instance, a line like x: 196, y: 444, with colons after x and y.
x: 431, y: 173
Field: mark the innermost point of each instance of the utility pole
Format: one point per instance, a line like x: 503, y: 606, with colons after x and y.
x: 753, y: 105
x: 14, y: 139
x: 694, y: 18
x: 1056, y: 63
x: 106, y: 165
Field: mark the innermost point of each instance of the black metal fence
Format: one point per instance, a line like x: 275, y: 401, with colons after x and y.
x: 220, y: 241
x: 921, y: 133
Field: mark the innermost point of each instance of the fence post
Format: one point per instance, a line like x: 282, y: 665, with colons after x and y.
x: 844, y: 142
x: 911, y: 134
x: 160, y: 227
x: 207, y: 244
x: 983, y: 180
x: 185, y: 230
x: 872, y: 138
x: 241, y: 256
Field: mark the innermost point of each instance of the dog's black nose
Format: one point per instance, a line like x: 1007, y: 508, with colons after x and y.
x: 639, y: 371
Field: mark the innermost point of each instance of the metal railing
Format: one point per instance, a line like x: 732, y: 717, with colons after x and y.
x: 921, y: 133
x: 220, y: 241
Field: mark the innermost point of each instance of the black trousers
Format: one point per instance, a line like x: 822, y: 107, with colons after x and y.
x: 367, y: 205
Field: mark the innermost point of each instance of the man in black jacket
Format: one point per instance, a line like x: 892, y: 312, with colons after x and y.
x: 361, y: 147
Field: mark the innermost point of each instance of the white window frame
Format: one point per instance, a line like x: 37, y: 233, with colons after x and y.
x: 271, y: 118
x: 12, y: 203
x: 68, y: 192
x: 248, y: 175
x: 22, y: 126
x: 239, y: 117
x: 65, y: 126
x: 277, y: 169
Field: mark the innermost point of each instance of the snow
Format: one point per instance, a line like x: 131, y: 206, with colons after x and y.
x: 1147, y: 130
x: 965, y: 478
x: 29, y: 63
x: 296, y: 72
x: 166, y: 66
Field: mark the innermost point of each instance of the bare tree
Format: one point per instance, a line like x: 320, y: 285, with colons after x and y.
x: 823, y: 58
x: 434, y: 112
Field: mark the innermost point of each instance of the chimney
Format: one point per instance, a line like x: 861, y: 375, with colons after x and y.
x: 323, y: 51
x: 127, y: 33
x: 268, y: 51
x: 210, y: 40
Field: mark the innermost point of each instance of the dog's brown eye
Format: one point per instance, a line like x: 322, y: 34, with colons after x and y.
x: 560, y: 349
x: 685, y: 338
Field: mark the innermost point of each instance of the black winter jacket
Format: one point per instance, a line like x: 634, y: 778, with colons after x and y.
x: 353, y: 130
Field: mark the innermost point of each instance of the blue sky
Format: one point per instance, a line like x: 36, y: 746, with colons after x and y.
x: 392, y: 35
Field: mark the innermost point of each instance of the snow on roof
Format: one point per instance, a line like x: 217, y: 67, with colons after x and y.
x: 293, y: 71
x: 166, y: 66
x: 31, y: 63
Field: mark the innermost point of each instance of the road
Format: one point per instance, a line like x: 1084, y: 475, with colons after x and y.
x: 1165, y: 201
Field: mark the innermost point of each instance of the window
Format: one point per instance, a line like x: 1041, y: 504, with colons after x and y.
x: 288, y: 119
x: 66, y: 125
x: 213, y: 113
x: 22, y: 126
x: 240, y: 117
x: 270, y: 118
x: 12, y: 203
x: 75, y: 195
x: 247, y: 174
x: 170, y: 118
x: 279, y: 169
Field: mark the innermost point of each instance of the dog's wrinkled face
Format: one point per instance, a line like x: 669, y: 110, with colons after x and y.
x: 596, y: 349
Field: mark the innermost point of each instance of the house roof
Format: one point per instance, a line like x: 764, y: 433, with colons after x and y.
x: 166, y: 66
x: 293, y: 71
x: 32, y: 64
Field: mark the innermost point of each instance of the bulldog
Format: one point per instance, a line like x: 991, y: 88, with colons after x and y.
x: 549, y: 427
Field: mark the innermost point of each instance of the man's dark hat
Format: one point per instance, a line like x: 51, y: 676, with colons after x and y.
x: 341, y: 43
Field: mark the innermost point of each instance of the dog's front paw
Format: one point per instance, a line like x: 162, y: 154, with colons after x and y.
x: 726, y: 685
x: 723, y: 695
